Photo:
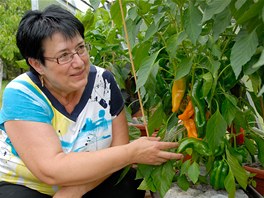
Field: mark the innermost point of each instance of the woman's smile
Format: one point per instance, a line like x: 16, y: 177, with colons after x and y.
x: 79, y: 74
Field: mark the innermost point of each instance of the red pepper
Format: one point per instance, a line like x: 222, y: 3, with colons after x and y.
x: 240, y: 138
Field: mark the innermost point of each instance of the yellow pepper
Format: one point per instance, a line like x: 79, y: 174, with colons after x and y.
x: 178, y: 90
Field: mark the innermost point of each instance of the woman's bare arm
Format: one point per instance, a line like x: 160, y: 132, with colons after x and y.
x: 120, y: 137
x: 79, y: 190
x: 39, y: 147
x: 120, y: 130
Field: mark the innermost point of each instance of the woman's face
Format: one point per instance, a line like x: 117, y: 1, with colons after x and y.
x: 65, y: 77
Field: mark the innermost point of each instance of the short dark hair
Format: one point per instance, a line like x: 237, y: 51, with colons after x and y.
x: 35, y: 26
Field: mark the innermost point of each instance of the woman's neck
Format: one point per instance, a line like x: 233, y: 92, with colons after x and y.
x: 68, y: 100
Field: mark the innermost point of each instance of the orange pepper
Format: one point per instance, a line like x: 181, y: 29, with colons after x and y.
x: 190, y: 127
x: 188, y: 112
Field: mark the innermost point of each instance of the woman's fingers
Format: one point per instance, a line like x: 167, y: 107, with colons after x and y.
x: 150, y: 150
x: 152, y: 138
x: 165, y: 156
x: 162, y: 145
x: 167, y: 145
x: 170, y: 156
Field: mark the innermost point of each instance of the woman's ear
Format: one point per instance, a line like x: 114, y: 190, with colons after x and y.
x: 36, y: 65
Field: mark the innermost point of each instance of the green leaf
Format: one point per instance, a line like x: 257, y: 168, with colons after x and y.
x: 163, y: 176
x: 155, y: 117
x: 239, y: 4
x: 146, y: 69
x: 140, y: 53
x: 249, y: 143
x: 185, y: 167
x: 147, y: 184
x: 132, y: 30
x: 152, y: 29
x: 22, y: 64
x: 260, y: 62
x: 214, y: 7
x: 207, y: 84
x: 215, y: 129
x: 260, y: 146
x: 95, y: 3
x: 228, y: 109
x: 214, y: 68
x: 172, y: 45
x: 192, y: 22
x: 145, y: 171
x: 231, y: 99
x: 150, y: 87
x: 221, y: 22
x: 134, y: 133
x: 261, y: 91
x: 143, y: 6
x: 239, y: 57
x: 116, y: 13
x: 262, y: 14
x: 194, y: 172
x: 123, y: 174
x: 183, y: 182
x: 183, y: 68
x: 239, y: 172
x: 171, y: 122
x: 88, y: 19
x: 252, y: 12
x: 230, y: 184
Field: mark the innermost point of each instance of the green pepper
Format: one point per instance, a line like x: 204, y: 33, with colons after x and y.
x: 240, y: 153
x: 160, y: 85
x: 197, y: 145
x: 199, y: 107
x: 218, y: 174
x: 220, y: 149
x: 166, y: 101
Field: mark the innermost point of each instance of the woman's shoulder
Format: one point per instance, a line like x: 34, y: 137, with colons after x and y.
x: 23, y: 86
x: 101, y: 72
x: 97, y: 69
x: 21, y: 79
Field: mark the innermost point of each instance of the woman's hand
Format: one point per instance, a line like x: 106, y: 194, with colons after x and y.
x: 149, y: 150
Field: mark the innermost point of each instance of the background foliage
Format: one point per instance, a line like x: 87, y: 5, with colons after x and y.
x: 11, y: 12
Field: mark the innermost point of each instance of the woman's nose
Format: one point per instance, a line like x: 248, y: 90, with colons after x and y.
x: 77, y: 60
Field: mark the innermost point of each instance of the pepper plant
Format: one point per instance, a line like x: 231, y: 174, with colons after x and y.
x: 199, y: 72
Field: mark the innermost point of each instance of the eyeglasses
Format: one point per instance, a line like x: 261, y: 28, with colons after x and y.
x: 67, y: 57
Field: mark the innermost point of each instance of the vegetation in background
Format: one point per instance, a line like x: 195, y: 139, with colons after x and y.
x: 4, y: 83
x: 11, y: 12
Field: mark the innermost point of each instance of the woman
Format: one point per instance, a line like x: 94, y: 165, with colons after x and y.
x: 63, y: 123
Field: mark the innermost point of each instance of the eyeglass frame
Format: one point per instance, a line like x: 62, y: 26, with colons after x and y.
x: 86, y: 48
